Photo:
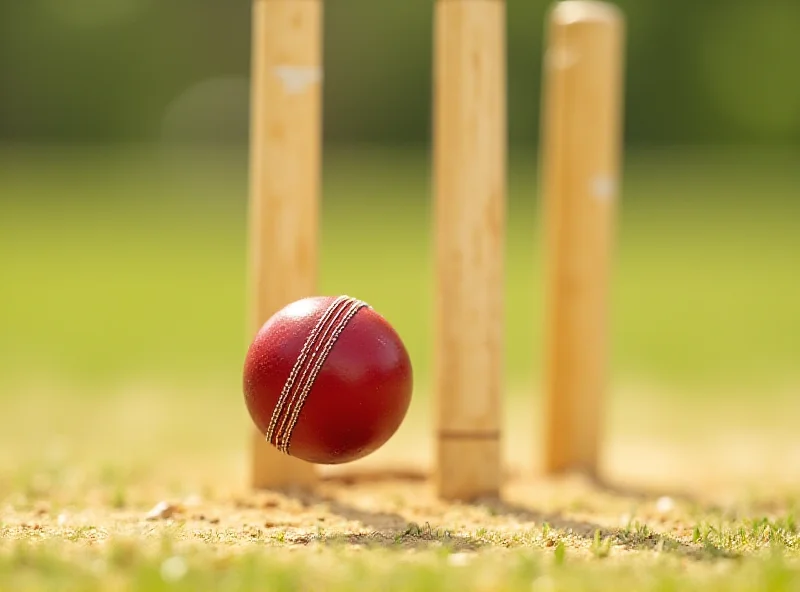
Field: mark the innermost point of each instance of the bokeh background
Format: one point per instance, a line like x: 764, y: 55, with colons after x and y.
x: 123, y: 188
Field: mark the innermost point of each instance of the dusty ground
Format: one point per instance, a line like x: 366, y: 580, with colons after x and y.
x: 402, y: 514
x: 134, y: 492
x: 99, y: 476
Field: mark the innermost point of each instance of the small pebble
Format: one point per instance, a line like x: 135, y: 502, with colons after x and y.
x: 162, y: 511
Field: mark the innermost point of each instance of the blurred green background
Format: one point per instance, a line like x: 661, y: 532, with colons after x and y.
x: 123, y: 186
x: 115, y: 70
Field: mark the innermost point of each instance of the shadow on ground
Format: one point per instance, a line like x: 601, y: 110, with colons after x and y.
x: 400, y: 511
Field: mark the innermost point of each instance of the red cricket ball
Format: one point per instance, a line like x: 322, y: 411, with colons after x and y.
x: 327, y: 380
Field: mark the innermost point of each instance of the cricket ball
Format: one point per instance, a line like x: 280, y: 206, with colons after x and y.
x: 327, y: 380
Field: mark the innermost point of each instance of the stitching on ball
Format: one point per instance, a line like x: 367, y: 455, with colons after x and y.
x: 298, y: 364
x: 284, y: 438
x: 323, y: 329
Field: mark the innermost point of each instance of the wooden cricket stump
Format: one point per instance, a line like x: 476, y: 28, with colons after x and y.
x: 581, y: 146
x: 469, y: 206
x: 285, y: 185
x: 580, y: 165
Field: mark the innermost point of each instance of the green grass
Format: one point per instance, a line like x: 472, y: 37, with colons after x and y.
x: 123, y: 567
x: 119, y: 265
